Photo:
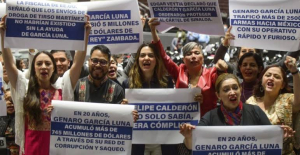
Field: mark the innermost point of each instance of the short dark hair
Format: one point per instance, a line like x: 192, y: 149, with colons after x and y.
x: 257, y: 58
x: 18, y: 61
x: 103, y: 49
x: 66, y: 53
x: 115, y: 57
x: 257, y: 51
x: 257, y: 88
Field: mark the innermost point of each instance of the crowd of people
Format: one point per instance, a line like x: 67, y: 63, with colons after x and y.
x: 245, y: 93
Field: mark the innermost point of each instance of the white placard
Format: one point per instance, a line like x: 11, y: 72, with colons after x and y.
x: 44, y: 25
x: 115, y: 24
x: 266, y: 24
x: 200, y: 16
x: 90, y: 128
x: 161, y: 112
x: 232, y: 140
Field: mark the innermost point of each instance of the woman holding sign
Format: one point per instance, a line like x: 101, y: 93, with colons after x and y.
x: 33, y: 130
x: 191, y: 74
x: 274, y: 97
x: 148, y: 71
x: 231, y: 112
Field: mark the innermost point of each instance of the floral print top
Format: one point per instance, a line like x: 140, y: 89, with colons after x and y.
x: 280, y: 113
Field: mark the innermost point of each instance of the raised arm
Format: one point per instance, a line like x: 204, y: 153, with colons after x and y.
x: 294, y: 54
x: 129, y: 64
x: 290, y: 63
x: 224, y: 46
x: 80, y: 57
x: 10, y: 66
x: 170, y: 65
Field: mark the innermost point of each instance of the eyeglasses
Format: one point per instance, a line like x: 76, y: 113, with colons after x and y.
x: 95, y: 61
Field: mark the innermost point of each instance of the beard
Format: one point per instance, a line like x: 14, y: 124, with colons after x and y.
x: 98, y: 76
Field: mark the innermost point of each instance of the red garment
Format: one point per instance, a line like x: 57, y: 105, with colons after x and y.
x: 37, y: 139
x: 233, y: 118
x: 206, y: 81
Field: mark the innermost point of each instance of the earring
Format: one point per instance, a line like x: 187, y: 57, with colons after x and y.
x: 261, y: 89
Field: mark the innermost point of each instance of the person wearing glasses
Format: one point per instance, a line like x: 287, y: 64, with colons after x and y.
x: 97, y: 87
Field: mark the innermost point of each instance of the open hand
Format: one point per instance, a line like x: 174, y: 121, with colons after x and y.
x: 228, y: 37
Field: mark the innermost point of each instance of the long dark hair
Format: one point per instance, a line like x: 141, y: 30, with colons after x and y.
x: 257, y: 90
x: 258, y: 60
x: 19, y: 67
x: 136, y: 75
x: 32, y: 99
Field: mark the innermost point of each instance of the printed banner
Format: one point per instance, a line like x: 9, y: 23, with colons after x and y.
x: 200, y: 16
x: 161, y: 112
x: 266, y: 24
x: 2, y: 13
x: 91, y: 128
x: 233, y: 140
x: 44, y: 25
x: 115, y: 24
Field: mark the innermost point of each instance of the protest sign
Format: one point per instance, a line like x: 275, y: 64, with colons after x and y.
x: 233, y: 140
x: 200, y: 16
x: 266, y: 24
x: 2, y: 100
x: 90, y: 128
x: 161, y: 112
x: 44, y: 25
x: 115, y: 24
x: 2, y: 13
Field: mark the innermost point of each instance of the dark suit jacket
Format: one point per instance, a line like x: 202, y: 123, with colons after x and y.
x: 251, y: 115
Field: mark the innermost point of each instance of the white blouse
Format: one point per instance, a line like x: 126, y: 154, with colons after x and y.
x: 19, y: 93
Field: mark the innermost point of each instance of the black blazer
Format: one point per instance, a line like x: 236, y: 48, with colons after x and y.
x: 251, y: 115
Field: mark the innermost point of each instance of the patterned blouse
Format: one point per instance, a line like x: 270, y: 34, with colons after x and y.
x: 280, y: 112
